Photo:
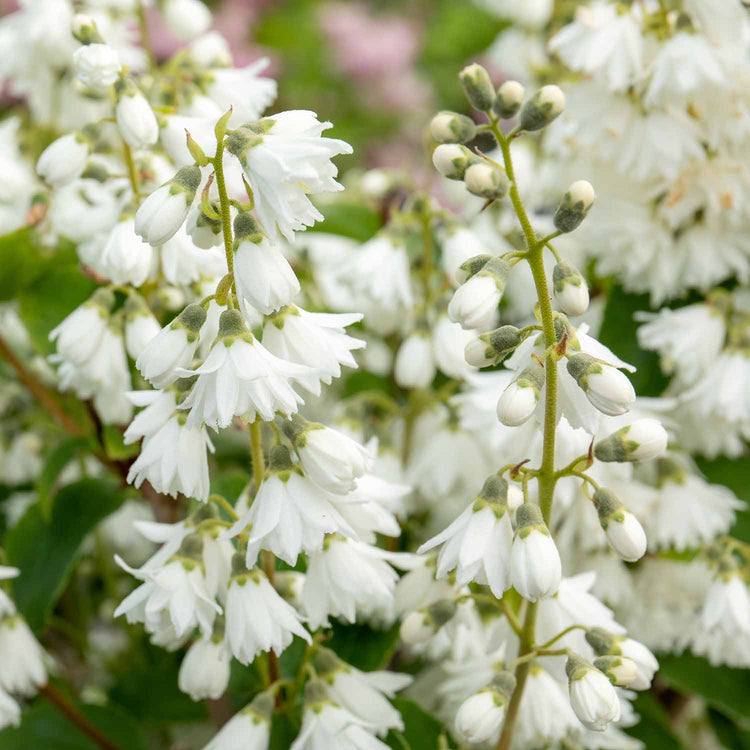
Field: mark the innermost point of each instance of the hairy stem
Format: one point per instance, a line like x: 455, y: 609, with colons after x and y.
x: 226, y: 217
x: 546, y: 475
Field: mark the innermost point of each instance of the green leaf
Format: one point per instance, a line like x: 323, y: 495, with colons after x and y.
x: 654, y: 728
x: 55, y: 462
x: 45, y: 728
x: 724, y: 688
x: 283, y: 731
x: 45, y: 549
x: 114, y: 444
x: 348, y: 220
x: 729, y: 734
x: 362, y: 646
x: 618, y: 332
x: 19, y: 263
x: 421, y: 730
x: 51, y: 297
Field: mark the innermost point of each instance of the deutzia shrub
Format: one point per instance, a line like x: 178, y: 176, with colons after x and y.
x: 425, y: 466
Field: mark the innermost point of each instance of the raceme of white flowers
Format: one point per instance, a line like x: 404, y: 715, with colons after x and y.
x: 509, y: 441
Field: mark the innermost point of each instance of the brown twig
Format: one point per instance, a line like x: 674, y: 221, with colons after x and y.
x: 58, y: 700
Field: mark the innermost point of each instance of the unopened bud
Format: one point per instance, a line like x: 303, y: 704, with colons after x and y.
x: 640, y: 441
x: 574, y: 206
x: 491, y: 348
x: 519, y: 399
x: 605, y: 386
x: 478, y: 87
x: 452, y: 160
x: 619, y: 670
x: 471, y: 266
x: 487, y: 181
x: 535, y: 564
x: 571, y: 291
x: 543, y: 107
x: 509, y: 99
x: 84, y: 29
x: 420, y: 626
x: 450, y: 127
x: 624, y: 532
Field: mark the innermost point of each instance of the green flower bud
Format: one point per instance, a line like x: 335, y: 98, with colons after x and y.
x: 543, y: 107
x: 478, y: 87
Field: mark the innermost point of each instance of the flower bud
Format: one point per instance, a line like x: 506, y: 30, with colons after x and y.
x: 471, y: 266
x: 619, y: 670
x: 420, y: 626
x: 490, y: 348
x: 535, y: 566
x: 450, y: 127
x: 543, y: 107
x: 415, y: 364
x: 487, y: 181
x: 480, y: 716
x: 640, y: 441
x: 64, y: 159
x: 478, y: 87
x: 186, y: 19
x: 519, y: 399
x: 96, y: 66
x: 474, y: 304
x: 592, y: 696
x: 571, y: 291
x: 624, y: 532
x: 84, y: 29
x: 135, y: 118
x: 606, y: 387
x: 509, y: 99
x: 603, y: 642
x: 452, y: 160
x: 574, y: 206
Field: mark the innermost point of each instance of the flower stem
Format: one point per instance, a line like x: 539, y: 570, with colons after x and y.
x: 226, y: 217
x: 135, y: 182
x: 145, y: 35
x: 546, y: 475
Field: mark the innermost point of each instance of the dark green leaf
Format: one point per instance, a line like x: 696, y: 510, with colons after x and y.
x: 421, y: 730
x: 55, y: 462
x: 729, y: 734
x: 19, y: 263
x: 44, y: 728
x: 349, y: 220
x: 114, y: 444
x: 724, y: 688
x: 283, y: 731
x: 654, y: 728
x: 362, y: 646
x: 45, y: 550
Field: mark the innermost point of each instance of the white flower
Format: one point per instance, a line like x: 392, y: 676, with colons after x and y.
x: 415, y: 366
x: 78, y: 336
x: 606, y: 388
x: 474, y: 303
x: 318, y: 340
x: 248, y: 729
x: 449, y: 341
x: 84, y: 208
x: 204, y: 672
x: 624, y: 532
x: 643, y: 659
x: 140, y: 328
x: 10, y: 711
x: 570, y: 288
x: 186, y: 19
x: 7, y: 607
x: 592, y: 696
x: 519, y: 400
x: 183, y: 262
x: 243, y: 89
x: 241, y: 378
x: 331, y: 459
x: 349, y: 580
x: 257, y: 618
x: 96, y: 65
x: 64, y: 159
x: 136, y: 120
x: 124, y: 257
x: 727, y: 607
x: 173, y: 348
x: 642, y: 440
x: 364, y: 694
x: 535, y: 566
x: 22, y: 658
x: 478, y: 543
x: 263, y: 275
x: 480, y: 717
x: 164, y: 211
x: 285, y: 163
x: 289, y: 514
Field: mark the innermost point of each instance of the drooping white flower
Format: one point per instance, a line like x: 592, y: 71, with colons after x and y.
x: 331, y: 459
x: 7, y: 607
x: 123, y: 256
x: 727, y: 606
x: 164, y: 211
x: 414, y: 366
x: 604, y: 642
x: 642, y: 440
x: 481, y: 715
x: 535, y: 566
x: 289, y: 514
x: 364, y: 694
x: 624, y: 532
x: 449, y: 342
x: 257, y: 618
x: 248, y: 729
x: 64, y: 159
x: 474, y: 303
x: 263, y: 275
x: 135, y: 118
x: 606, y: 388
x: 140, y: 326
x: 96, y: 65
x: 204, y: 672
x: 243, y: 89
x: 10, y: 711
x: 182, y: 262
x: 241, y: 378
x: 22, y: 657
x: 478, y: 543
x: 79, y: 334
x: 173, y: 595
x: 285, y: 159
x: 458, y: 244
x: 592, y: 696
x: 318, y: 340
x: 519, y: 400
x: 172, y: 348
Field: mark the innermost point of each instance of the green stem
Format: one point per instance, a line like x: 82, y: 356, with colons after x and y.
x: 224, y: 503
x: 226, y: 216
x: 145, y: 35
x: 427, y: 258
x: 546, y: 474
x: 135, y: 182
